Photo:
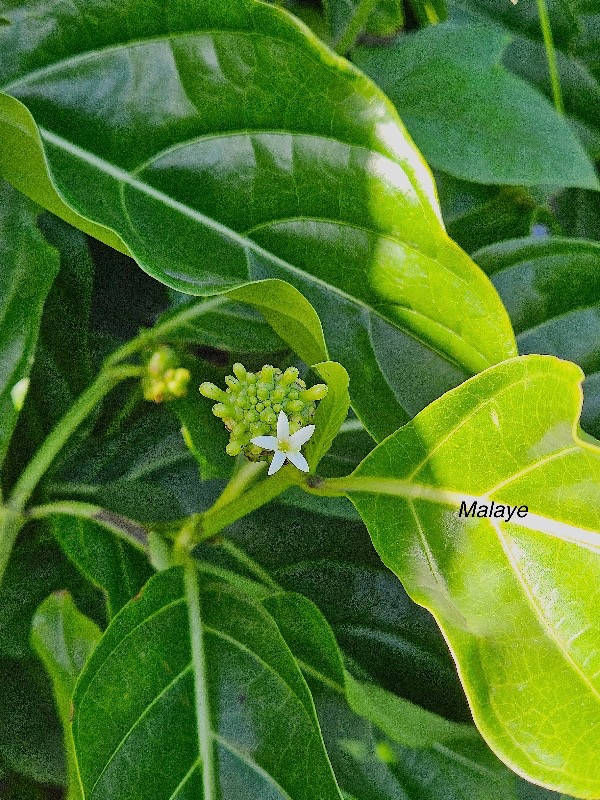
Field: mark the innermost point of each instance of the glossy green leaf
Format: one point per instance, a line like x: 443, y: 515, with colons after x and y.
x: 29, y: 265
x: 551, y: 288
x: 143, y: 472
x: 477, y: 215
x: 526, y: 54
x: 362, y: 240
x: 413, y: 749
x: 36, y: 568
x: 470, y: 116
x: 64, y: 639
x: 108, y: 549
x: 215, y: 705
x: 331, y: 560
x: 507, y: 594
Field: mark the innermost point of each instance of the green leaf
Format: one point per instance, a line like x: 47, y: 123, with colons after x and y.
x: 551, y: 288
x: 362, y: 240
x: 212, y: 695
x: 36, y: 568
x: 30, y: 734
x: 477, y: 215
x: 429, y: 744
x: 64, y: 640
x: 507, y: 595
x: 470, y: 116
x: 62, y: 366
x: 29, y: 265
x: 526, y: 55
x: 386, y: 18
x: 331, y: 411
x: 330, y: 559
x: 108, y: 549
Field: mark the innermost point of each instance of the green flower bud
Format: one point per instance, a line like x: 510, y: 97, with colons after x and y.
x: 250, y: 405
x: 163, y: 378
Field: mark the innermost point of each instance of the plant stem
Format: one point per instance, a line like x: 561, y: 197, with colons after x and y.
x: 215, y: 519
x: 551, y: 56
x: 355, y: 26
x: 245, y: 473
x: 148, y: 337
x: 58, y: 437
x: 11, y: 523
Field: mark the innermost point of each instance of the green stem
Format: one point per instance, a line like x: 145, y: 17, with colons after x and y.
x: 196, y: 632
x: 215, y: 519
x: 11, y: 523
x: 356, y: 25
x: 58, y: 437
x: 161, y: 331
x: 245, y: 473
x: 551, y: 56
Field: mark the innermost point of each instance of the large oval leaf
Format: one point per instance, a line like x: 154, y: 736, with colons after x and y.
x: 190, y: 136
x: 473, y: 118
x: 551, y: 289
x: 193, y: 693
x: 515, y: 599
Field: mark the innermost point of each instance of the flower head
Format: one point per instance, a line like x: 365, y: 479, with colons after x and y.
x: 164, y: 379
x: 286, y: 445
x: 251, y: 403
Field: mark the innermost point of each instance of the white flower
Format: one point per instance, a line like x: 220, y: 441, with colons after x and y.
x: 286, y: 446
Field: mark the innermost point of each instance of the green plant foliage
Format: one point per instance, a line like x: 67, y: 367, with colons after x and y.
x: 371, y: 210
x: 385, y: 18
x: 29, y: 265
x: 64, y: 639
x: 529, y: 672
x: 551, y: 289
x: 451, y: 91
x: 212, y: 654
x: 575, y: 37
x: 201, y: 190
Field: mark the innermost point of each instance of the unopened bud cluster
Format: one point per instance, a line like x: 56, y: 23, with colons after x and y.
x: 252, y: 401
x: 164, y: 379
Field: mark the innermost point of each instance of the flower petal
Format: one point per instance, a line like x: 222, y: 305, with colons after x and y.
x: 277, y: 463
x: 266, y: 442
x: 283, y: 426
x: 298, y: 460
x: 302, y: 436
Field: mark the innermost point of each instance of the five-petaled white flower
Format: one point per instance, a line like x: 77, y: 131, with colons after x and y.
x: 286, y: 446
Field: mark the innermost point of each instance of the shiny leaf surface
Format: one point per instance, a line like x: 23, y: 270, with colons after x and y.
x: 514, y: 598
x: 317, y: 182
x: 470, y: 116
x: 551, y: 289
x: 191, y: 687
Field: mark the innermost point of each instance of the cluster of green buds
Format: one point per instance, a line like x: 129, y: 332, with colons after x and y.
x: 163, y: 378
x: 252, y: 402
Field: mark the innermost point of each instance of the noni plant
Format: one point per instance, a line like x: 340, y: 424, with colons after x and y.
x: 299, y: 400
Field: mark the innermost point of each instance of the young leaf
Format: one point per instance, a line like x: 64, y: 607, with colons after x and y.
x: 331, y: 411
x: 29, y: 265
x: 385, y: 19
x: 506, y: 593
x: 551, y: 288
x: 362, y: 240
x: 214, y: 707
x: 470, y: 116
x: 64, y: 640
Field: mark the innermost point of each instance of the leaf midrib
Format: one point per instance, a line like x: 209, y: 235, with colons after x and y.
x: 123, y: 177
